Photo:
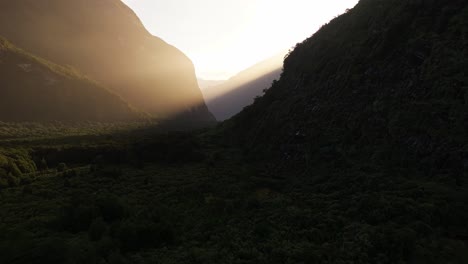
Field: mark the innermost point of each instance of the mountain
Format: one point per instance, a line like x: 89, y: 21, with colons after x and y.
x: 208, y: 83
x: 228, y: 98
x: 368, y: 127
x: 357, y: 154
x: 384, y: 83
x: 107, y: 42
x: 34, y: 89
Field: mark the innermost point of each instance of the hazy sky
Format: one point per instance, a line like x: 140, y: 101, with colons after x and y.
x: 223, y: 37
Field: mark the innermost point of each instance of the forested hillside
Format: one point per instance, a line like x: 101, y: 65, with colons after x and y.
x: 34, y: 89
x: 384, y: 83
x: 106, y: 41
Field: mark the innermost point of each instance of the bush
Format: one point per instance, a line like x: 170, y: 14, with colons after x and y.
x: 97, y: 229
x: 4, y: 182
x: 78, y: 216
x: 15, y: 171
x: 12, y: 180
x: 109, y: 172
x: 23, y: 249
x: 25, y: 164
x: 70, y: 173
x: 26, y: 179
x: 42, y: 164
x: 62, y: 167
x: 111, y: 208
x: 3, y: 160
x: 27, y: 189
x: 136, y: 234
x: 116, y: 258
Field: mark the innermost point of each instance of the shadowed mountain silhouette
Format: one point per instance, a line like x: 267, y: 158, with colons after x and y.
x: 106, y: 41
x: 385, y: 82
x: 33, y: 89
x: 228, y: 98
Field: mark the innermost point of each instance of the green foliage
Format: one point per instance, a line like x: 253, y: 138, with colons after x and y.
x: 111, y: 208
x: 97, y: 229
x: 136, y: 234
x: 170, y: 148
x: 62, y: 167
x: 19, y: 246
x: 3, y: 161
x: 78, y: 215
x: 10, y: 132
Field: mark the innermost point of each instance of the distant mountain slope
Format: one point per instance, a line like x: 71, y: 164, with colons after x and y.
x: 106, y: 41
x: 33, y: 89
x: 208, y: 83
x: 228, y: 98
x: 385, y: 82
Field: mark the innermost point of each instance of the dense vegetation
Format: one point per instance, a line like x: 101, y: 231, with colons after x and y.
x: 358, y: 154
x: 179, y: 197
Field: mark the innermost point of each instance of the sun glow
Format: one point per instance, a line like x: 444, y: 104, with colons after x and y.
x: 223, y: 37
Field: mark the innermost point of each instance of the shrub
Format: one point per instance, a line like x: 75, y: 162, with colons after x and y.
x: 25, y: 165
x: 3, y: 160
x: 26, y: 179
x: 62, y: 167
x: 12, y: 180
x: 97, y: 229
x: 78, y: 216
x: 136, y: 234
x: 116, y: 258
x: 109, y: 172
x: 15, y: 171
x: 111, y: 208
x: 3, y: 173
x: 27, y: 189
x: 4, y: 182
x: 42, y: 164
x: 70, y: 173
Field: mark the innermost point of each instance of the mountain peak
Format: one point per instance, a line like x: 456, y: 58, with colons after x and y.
x: 107, y: 42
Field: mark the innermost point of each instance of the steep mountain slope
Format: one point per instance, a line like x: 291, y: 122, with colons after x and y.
x: 33, y: 89
x: 208, y: 83
x: 106, y: 41
x: 358, y: 154
x: 386, y: 81
x: 368, y: 124
x: 228, y: 98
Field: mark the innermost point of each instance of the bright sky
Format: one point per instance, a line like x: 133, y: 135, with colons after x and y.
x: 223, y: 37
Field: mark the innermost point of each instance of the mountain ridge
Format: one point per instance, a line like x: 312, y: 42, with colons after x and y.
x: 34, y: 89
x: 228, y: 98
x: 107, y: 42
x: 371, y: 77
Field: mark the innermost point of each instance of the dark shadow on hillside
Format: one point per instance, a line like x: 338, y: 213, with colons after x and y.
x: 232, y: 102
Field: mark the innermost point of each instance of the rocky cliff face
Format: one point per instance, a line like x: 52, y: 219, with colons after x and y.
x: 384, y: 83
x: 106, y: 41
x: 34, y: 89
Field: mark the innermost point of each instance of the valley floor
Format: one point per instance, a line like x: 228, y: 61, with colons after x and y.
x: 181, y: 198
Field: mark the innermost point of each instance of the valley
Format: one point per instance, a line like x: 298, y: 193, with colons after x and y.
x: 352, y: 148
